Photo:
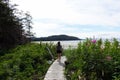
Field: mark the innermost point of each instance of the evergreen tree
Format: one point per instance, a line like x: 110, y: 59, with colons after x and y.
x: 12, y: 31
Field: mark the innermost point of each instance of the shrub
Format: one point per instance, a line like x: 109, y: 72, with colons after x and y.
x: 94, y: 60
x: 25, y: 62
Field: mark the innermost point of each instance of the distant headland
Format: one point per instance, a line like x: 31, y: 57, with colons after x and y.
x: 56, y: 38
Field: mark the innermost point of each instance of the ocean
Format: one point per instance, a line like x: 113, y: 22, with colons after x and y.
x: 65, y: 44
x: 70, y: 43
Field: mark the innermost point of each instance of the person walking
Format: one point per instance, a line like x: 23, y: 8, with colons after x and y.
x: 59, y: 50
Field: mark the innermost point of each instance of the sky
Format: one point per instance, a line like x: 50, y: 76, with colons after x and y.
x: 80, y: 18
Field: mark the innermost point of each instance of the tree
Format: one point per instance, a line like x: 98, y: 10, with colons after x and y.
x: 12, y: 31
x: 28, y: 26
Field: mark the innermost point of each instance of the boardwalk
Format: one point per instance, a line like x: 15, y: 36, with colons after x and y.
x: 56, y: 70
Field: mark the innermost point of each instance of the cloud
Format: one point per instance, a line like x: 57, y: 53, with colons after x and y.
x: 42, y: 29
x: 97, y: 35
x: 91, y: 12
x: 82, y: 18
x: 97, y: 12
x: 46, y: 29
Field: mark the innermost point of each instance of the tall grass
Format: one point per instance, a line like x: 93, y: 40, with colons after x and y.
x: 94, y: 60
x: 26, y: 62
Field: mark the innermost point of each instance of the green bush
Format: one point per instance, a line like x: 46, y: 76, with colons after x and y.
x: 94, y: 60
x: 26, y: 62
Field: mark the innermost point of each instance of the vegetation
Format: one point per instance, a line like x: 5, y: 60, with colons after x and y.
x: 14, y: 25
x: 94, y: 60
x: 17, y: 61
x: 55, y: 38
x: 26, y: 62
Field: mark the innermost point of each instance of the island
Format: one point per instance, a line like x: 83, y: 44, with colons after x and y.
x: 55, y: 38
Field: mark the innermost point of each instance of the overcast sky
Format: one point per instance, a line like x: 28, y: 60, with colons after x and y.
x: 81, y: 18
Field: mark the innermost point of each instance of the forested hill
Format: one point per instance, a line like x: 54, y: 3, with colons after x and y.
x: 55, y: 38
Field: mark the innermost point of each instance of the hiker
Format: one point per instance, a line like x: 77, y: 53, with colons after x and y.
x: 59, y: 50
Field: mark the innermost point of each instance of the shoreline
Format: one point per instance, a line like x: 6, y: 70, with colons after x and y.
x: 73, y: 44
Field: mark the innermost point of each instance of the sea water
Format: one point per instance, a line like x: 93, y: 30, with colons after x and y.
x: 65, y: 44
x: 71, y: 43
